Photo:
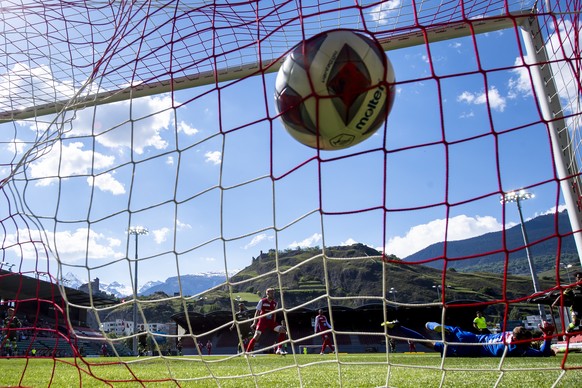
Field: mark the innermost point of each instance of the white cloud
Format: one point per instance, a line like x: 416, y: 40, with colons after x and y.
x: 23, y: 85
x: 111, y: 125
x: 467, y: 97
x: 160, y: 235
x: 552, y: 210
x: 113, y: 242
x: 213, y: 157
x: 310, y: 241
x: 67, y: 160
x: 72, y: 246
x: 348, y: 242
x: 187, y: 129
x: 16, y: 147
x: 170, y: 160
x: 182, y: 225
x: 421, y: 236
x: 135, y: 124
x: 257, y: 240
x: 381, y: 14
x: 521, y: 85
x: 106, y: 182
x: 560, y: 49
x: 496, y: 101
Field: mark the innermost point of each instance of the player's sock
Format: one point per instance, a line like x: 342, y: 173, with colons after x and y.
x: 326, y: 343
x: 251, y: 345
x: 281, y: 338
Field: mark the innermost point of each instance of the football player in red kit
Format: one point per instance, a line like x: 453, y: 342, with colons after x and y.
x: 321, y: 324
x: 265, y: 319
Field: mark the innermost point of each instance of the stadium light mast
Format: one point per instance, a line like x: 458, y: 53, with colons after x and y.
x: 136, y: 231
x: 517, y: 197
x: 393, y: 291
x: 567, y: 268
x: 437, y: 287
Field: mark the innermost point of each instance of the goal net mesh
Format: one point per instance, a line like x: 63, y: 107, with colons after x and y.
x: 140, y: 142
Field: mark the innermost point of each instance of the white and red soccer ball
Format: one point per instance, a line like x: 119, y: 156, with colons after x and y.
x: 335, y: 89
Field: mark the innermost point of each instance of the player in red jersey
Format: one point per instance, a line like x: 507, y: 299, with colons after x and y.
x: 321, y: 324
x: 265, y: 319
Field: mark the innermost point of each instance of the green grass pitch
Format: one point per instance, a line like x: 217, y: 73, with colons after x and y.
x: 345, y: 370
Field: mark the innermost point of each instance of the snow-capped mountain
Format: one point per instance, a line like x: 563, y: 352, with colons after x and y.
x: 191, y: 284
x: 71, y: 280
x: 149, y: 285
x: 117, y: 289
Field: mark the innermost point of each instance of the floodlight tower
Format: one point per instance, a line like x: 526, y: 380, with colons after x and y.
x: 393, y: 291
x: 438, y: 289
x: 567, y: 268
x: 517, y: 197
x: 136, y: 231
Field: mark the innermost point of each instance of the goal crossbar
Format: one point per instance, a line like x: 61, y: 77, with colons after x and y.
x: 392, y: 42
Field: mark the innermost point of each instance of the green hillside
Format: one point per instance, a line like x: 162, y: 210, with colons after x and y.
x: 550, y: 238
x: 356, y: 271
x: 354, y: 278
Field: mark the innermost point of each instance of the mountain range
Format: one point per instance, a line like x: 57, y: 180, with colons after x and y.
x: 549, y: 238
x: 191, y: 285
x: 485, y: 253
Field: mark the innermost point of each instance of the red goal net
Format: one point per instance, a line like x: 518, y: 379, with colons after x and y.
x: 148, y: 187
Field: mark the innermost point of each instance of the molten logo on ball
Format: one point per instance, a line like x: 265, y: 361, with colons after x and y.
x: 335, y: 90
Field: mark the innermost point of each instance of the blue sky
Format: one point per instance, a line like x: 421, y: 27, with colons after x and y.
x: 216, y: 179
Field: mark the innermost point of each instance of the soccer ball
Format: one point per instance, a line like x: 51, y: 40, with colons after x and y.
x: 335, y: 89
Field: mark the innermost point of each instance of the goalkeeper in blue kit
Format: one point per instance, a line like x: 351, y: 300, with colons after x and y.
x: 461, y: 343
